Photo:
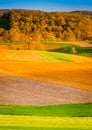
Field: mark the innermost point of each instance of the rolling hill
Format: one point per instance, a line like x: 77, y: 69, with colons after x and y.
x: 48, y: 66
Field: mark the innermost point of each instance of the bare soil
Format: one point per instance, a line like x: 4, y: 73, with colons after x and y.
x: 18, y: 90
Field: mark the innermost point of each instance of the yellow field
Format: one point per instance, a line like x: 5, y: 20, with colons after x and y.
x: 34, y: 56
x: 49, y: 122
x: 75, y: 74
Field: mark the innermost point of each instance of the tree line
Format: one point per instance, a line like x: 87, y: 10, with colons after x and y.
x: 33, y: 25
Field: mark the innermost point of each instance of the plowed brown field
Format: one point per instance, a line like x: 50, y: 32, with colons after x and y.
x: 16, y: 90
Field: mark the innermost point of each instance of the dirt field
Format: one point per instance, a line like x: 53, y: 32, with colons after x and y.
x: 42, y: 82
x: 16, y: 90
x: 73, y: 74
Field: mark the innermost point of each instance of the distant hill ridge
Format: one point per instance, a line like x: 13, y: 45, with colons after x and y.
x: 83, y: 12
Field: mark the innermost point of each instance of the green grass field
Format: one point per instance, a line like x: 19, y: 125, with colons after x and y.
x: 69, y: 110
x: 54, y: 56
x: 82, y: 51
x: 67, y: 48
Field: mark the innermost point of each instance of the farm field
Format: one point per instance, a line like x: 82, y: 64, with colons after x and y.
x: 45, y: 122
x: 52, y: 117
x: 59, y: 110
x: 18, y: 90
x: 45, y: 66
x: 41, y: 78
x: 32, y: 56
x: 83, y: 48
x: 48, y: 66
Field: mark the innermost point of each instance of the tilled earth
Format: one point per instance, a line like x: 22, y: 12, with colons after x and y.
x: 18, y: 90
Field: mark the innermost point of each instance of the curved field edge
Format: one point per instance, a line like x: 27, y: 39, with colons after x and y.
x: 54, y: 72
x: 63, y: 110
x: 46, y: 122
x: 38, y: 128
x: 54, y: 56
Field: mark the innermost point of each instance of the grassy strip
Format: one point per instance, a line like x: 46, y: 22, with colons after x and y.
x: 46, y: 122
x: 53, y: 56
x: 39, y: 128
x: 60, y: 44
x: 70, y: 110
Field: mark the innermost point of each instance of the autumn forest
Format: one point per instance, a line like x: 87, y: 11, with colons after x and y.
x: 28, y: 25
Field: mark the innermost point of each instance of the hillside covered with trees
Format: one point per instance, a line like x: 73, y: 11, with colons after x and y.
x: 28, y: 25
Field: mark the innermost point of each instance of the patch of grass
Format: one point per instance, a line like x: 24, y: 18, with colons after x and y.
x: 83, y: 51
x: 69, y: 110
x: 53, y: 56
x: 37, y: 128
x: 60, y: 44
